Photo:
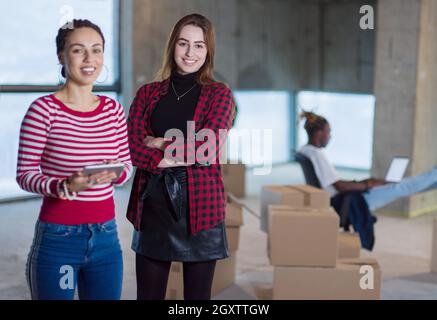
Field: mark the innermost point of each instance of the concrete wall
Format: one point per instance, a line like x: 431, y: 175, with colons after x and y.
x: 405, y: 78
x: 347, y: 51
x: 264, y: 44
x: 395, y: 82
x: 424, y: 150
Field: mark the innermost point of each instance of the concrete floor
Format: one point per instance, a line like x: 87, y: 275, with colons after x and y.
x: 403, y: 247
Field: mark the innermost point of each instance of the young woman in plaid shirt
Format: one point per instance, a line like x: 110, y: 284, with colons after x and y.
x: 178, y: 206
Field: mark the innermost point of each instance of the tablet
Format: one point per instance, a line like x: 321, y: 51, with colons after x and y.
x: 116, y: 167
x: 397, y: 169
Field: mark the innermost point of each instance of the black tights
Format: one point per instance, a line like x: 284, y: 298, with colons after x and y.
x: 152, y: 278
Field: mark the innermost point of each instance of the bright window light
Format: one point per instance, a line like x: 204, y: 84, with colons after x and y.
x: 351, y: 117
x: 261, y: 112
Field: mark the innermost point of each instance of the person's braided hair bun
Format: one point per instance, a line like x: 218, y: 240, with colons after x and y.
x: 313, y: 122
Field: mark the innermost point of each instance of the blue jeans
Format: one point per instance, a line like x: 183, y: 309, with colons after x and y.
x: 380, y: 196
x: 87, y: 256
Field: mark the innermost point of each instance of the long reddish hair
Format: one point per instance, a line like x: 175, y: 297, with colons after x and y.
x: 206, y: 72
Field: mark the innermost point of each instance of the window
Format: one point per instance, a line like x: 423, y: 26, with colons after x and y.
x: 28, y: 48
x: 351, y: 117
x: 262, y: 130
x: 29, y: 65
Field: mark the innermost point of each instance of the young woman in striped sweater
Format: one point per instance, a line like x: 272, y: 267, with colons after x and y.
x: 76, y: 241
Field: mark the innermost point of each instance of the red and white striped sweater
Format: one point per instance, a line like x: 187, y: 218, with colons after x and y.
x: 56, y: 141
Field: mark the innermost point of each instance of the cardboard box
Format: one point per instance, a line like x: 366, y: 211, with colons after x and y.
x: 225, y: 273
x: 359, y: 261
x: 302, y: 236
x: 224, y: 277
x: 276, y: 194
x: 234, y: 214
x: 314, y: 197
x: 434, y: 246
x: 175, y: 284
x: 354, y: 280
x: 233, y: 236
x: 234, y: 179
x: 263, y: 291
x: 349, y: 245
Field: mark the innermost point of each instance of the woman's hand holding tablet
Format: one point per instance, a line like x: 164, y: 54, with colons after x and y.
x: 117, y: 168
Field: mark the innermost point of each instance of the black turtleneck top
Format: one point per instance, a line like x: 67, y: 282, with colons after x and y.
x: 171, y: 113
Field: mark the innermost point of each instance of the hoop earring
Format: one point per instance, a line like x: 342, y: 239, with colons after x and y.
x: 60, y: 78
x: 107, y: 74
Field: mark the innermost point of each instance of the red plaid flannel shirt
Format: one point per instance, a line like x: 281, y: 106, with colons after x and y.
x: 215, y: 110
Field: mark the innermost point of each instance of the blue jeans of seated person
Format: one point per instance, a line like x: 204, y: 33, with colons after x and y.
x: 380, y: 196
x: 86, y: 256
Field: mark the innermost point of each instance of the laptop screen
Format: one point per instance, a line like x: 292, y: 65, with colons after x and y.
x: 397, y: 169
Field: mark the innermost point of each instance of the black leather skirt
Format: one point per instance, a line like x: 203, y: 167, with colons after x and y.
x: 165, y: 226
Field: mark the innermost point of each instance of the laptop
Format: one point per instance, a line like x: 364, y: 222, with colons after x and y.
x: 397, y: 169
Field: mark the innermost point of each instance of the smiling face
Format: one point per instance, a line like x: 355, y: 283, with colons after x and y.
x: 83, y: 56
x: 190, y: 50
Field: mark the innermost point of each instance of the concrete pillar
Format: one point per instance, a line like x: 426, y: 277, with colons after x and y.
x: 126, y: 53
x: 405, y: 78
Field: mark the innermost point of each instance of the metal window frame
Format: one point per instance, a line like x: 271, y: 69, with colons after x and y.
x: 46, y: 88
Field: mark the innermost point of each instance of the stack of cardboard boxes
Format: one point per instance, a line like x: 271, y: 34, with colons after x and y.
x: 311, y: 259
x: 225, y: 270
x: 234, y: 177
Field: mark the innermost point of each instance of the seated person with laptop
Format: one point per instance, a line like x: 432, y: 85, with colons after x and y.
x: 376, y: 192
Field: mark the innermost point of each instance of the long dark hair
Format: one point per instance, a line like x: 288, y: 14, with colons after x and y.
x: 68, y: 28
